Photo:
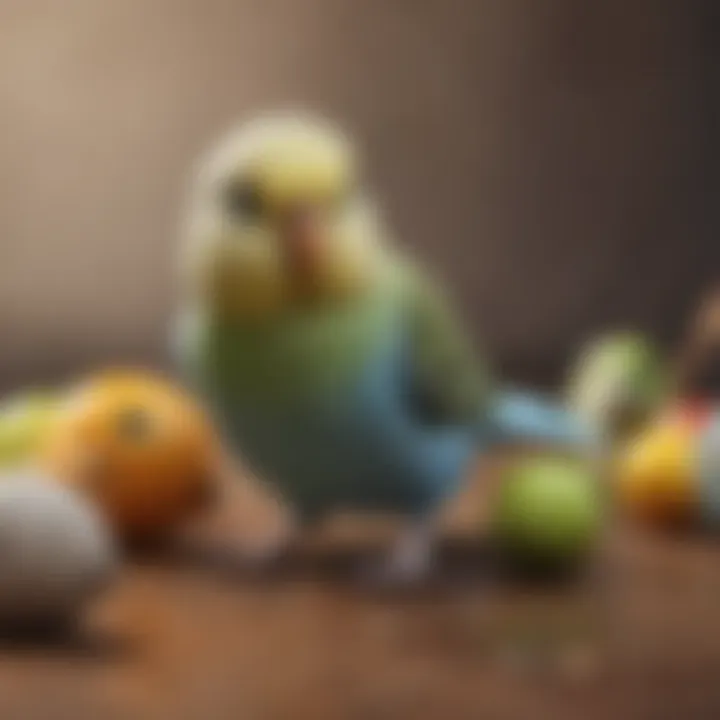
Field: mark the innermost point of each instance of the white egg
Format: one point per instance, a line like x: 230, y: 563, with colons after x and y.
x: 55, y: 552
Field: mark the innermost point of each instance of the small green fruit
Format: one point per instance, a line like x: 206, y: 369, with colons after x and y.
x: 549, y: 512
x: 617, y: 383
x: 25, y: 421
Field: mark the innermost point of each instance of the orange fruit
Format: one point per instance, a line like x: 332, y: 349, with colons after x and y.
x: 657, y: 474
x: 139, y: 446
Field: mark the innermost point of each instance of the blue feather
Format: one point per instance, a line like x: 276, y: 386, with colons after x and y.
x: 522, y: 416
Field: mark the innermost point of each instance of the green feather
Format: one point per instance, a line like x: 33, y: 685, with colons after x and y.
x: 448, y: 373
x: 311, y: 350
x: 303, y: 352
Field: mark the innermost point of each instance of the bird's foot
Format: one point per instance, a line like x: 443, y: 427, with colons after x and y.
x: 408, y: 564
x: 262, y: 558
x: 240, y: 557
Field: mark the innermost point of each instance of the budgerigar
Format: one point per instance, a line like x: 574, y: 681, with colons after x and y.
x: 334, y: 365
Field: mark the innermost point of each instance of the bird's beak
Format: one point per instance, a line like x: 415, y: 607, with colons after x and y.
x: 302, y: 242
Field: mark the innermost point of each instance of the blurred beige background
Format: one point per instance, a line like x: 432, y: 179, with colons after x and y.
x: 548, y: 156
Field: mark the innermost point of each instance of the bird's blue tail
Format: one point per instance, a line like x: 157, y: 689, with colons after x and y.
x: 520, y: 417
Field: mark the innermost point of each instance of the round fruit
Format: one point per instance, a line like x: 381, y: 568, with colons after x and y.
x: 57, y: 553
x: 657, y: 478
x: 139, y: 446
x: 25, y: 423
x: 549, y: 512
x: 617, y: 382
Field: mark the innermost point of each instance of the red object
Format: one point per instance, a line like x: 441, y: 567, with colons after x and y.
x: 694, y: 411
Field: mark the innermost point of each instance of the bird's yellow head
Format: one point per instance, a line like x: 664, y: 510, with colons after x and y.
x: 278, y: 219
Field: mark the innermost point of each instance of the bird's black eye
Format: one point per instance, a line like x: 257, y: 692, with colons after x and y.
x: 243, y: 199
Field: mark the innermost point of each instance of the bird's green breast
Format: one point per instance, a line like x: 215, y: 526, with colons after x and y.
x: 300, y: 355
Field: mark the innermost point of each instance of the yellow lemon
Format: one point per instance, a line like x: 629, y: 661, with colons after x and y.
x: 657, y: 478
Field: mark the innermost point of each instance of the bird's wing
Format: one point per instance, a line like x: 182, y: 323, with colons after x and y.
x: 448, y: 382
